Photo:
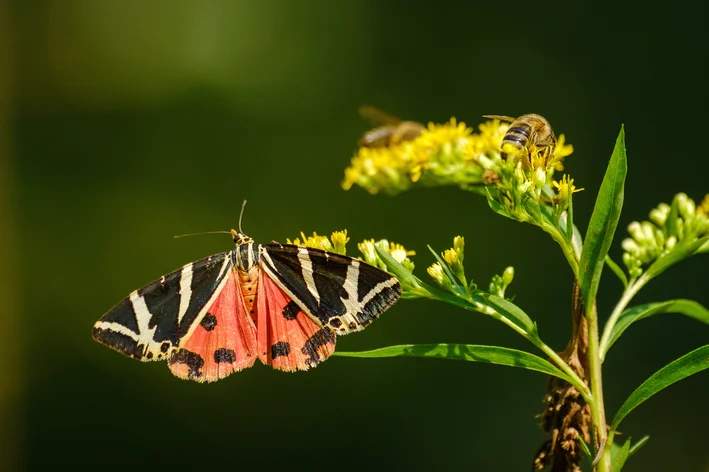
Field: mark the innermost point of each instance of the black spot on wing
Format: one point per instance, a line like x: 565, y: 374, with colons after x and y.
x: 164, y: 347
x: 193, y: 361
x: 224, y: 355
x: 314, y: 343
x: 162, y: 298
x: 280, y: 349
x: 120, y: 342
x: 291, y: 310
x: 205, y: 279
x: 209, y: 322
x: 124, y: 315
x: 335, y: 322
x: 329, y: 274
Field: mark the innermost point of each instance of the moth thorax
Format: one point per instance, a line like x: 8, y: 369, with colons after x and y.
x: 246, y: 256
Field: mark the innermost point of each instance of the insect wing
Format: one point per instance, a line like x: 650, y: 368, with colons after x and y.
x: 338, y: 292
x: 288, y: 338
x: 152, y: 322
x: 224, y: 342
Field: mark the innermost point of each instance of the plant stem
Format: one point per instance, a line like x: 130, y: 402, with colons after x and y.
x: 630, y: 291
x: 580, y: 384
x: 598, y: 413
x: 566, y: 247
x: 560, y: 363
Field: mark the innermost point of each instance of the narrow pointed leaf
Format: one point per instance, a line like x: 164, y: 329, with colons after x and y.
x: 636, y: 447
x: 604, y: 222
x: 689, y: 364
x: 495, y: 205
x: 619, y: 454
x: 585, y: 449
x: 509, y: 310
x: 465, y: 352
x: 532, y: 207
x: 617, y: 270
x: 395, y: 267
x: 631, y: 315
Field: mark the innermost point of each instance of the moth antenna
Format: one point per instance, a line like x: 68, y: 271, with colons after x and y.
x: 241, y: 214
x: 197, y: 234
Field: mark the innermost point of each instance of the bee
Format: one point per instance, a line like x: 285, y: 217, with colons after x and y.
x: 527, y: 131
x: 389, y: 130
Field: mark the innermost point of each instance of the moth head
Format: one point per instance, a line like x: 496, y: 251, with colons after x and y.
x: 240, y: 238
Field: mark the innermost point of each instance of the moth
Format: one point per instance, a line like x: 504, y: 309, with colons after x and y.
x: 281, y: 303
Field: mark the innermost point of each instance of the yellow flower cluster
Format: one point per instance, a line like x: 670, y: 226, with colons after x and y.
x: 442, y: 154
x: 397, y: 251
x: 448, y: 154
x: 565, y: 187
x: 336, y: 243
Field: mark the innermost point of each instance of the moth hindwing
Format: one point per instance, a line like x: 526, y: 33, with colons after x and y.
x: 280, y: 303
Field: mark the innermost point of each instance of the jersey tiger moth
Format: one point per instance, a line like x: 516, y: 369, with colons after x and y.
x: 280, y: 303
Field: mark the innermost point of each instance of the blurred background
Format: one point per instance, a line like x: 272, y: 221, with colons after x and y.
x: 125, y: 123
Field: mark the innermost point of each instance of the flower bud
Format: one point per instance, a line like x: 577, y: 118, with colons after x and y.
x: 508, y: 275
x: 630, y: 246
x: 436, y: 272
x: 635, y: 230
x: 540, y: 178
x: 368, y: 252
x: 339, y: 240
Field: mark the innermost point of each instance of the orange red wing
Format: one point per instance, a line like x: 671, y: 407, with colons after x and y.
x: 224, y: 342
x: 288, y: 339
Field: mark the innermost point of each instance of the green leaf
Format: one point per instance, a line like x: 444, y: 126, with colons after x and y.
x: 604, y: 222
x: 617, y: 270
x: 465, y: 352
x: 399, y: 271
x: 509, y: 310
x: 496, y: 206
x: 636, y: 447
x: 617, y: 451
x: 619, y: 455
x: 631, y: 315
x: 689, y: 364
x: 532, y: 208
x: 585, y: 449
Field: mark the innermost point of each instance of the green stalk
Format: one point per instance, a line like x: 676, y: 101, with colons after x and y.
x: 630, y: 291
x: 598, y: 412
x: 560, y: 363
x: 566, y: 247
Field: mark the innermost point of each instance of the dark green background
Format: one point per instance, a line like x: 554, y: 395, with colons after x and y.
x: 131, y: 122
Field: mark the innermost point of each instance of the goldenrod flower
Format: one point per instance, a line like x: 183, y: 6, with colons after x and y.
x: 369, y: 253
x: 565, y: 187
x: 441, y: 155
x: 561, y: 151
x: 703, y: 207
x: 397, y: 251
x: 339, y: 240
x: 337, y: 245
x: 436, y: 272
